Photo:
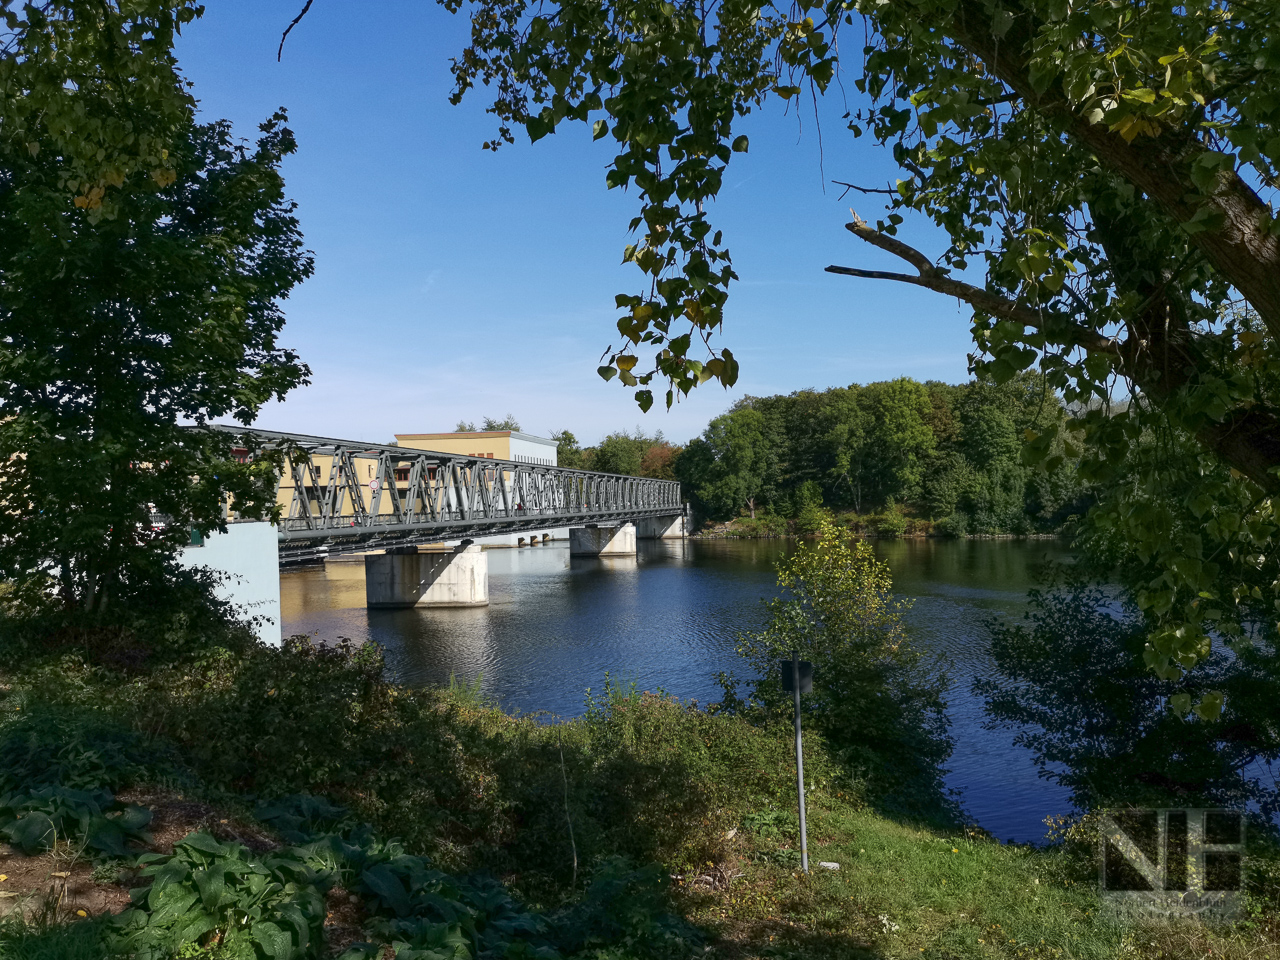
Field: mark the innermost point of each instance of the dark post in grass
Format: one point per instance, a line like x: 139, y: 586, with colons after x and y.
x: 797, y: 676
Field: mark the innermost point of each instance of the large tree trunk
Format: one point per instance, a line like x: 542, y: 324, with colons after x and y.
x: 1237, y: 240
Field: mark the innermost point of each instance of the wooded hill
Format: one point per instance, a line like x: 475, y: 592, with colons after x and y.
x: 948, y: 453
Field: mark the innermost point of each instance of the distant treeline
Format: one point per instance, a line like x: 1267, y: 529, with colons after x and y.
x: 933, y: 451
x: 634, y: 454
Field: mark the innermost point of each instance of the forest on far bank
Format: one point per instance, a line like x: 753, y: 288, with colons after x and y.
x: 931, y: 455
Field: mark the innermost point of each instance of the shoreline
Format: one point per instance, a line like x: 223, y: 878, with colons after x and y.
x: 726, y: 535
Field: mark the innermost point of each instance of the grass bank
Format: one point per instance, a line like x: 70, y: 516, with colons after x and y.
x: 290, y: 803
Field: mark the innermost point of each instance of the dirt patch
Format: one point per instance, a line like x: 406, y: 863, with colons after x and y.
x: 173, y: 816
x: 53, y: 886
x: 344, y: 919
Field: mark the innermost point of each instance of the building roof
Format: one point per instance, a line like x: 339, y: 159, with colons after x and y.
x: 478, y: 433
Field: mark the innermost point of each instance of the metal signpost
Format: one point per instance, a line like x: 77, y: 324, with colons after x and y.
x: 797, y: 676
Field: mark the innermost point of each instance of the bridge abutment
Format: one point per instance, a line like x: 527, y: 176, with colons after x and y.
x: 661, y: 528
x: 407, y: 578
x: 593, y: 541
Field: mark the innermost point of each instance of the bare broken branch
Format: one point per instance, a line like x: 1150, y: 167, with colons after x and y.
x: 853, y: 186
x: 864, y: 231
x: 289, y: 29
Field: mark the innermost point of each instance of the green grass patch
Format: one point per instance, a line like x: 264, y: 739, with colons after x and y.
x: 22, y: 940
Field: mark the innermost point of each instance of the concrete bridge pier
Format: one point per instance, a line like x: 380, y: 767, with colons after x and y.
x: 595, y: 541
x: 661, y: 528
x: 403, y: 577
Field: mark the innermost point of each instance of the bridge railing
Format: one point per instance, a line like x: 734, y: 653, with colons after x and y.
x: 345, y: 489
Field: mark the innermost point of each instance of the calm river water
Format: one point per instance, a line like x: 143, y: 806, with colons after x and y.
x: 668, y: 620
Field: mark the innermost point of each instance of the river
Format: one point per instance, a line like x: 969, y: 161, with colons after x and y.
x: 668, y: 620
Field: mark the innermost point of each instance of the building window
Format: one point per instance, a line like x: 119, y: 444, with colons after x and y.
x: 402, y: 474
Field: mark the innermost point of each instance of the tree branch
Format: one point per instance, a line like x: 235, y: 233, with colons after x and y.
x: 933, y: 278
x: 1159, y: 364
x: 853, y: 186
x: 289, y: 29
x: 864, y: 231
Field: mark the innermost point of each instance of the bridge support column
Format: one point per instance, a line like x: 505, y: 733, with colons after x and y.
x: 661, y: 528
x: 593, y: 541
x: 456, y: 578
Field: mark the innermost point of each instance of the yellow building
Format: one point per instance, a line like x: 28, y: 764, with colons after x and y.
x: 491, y: 444
x: 494, y: 444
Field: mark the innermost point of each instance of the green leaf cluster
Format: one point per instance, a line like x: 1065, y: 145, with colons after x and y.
x: 666, y: 82
x: 143, y: 260
x: 258, y: 907
x: 36, y: 820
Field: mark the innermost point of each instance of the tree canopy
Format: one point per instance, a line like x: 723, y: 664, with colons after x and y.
x: 1110, y: 167
x: 950, y: 453
x: 508, y: 422
x: 631, y: 453
x: 729, y: 465
x: 143, y: 258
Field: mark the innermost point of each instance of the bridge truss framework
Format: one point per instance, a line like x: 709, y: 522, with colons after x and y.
x: 423, y: 496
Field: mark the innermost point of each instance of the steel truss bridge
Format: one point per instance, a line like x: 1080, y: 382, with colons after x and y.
x: 408, y: 496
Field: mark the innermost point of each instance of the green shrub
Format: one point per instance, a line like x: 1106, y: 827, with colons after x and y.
x: 646, y: 777
x: 956, y: 525
x: 810, y: 519
x: 624, y: 914
x: 35, y: 820
x: 270, y: 906
x: 878, y: 705
x: 654, y: 779
x: 177, y: 620
x: 73, y: 747
x: 57, y: 772
x: 892, y: 522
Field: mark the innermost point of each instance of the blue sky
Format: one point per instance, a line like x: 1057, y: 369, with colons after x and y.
x: 453, y: 282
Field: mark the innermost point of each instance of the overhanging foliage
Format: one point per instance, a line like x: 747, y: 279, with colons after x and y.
x: 1110, y: 165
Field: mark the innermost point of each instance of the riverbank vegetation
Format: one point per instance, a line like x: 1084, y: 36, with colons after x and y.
x: 887, y: 455
x: 292, y: 802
